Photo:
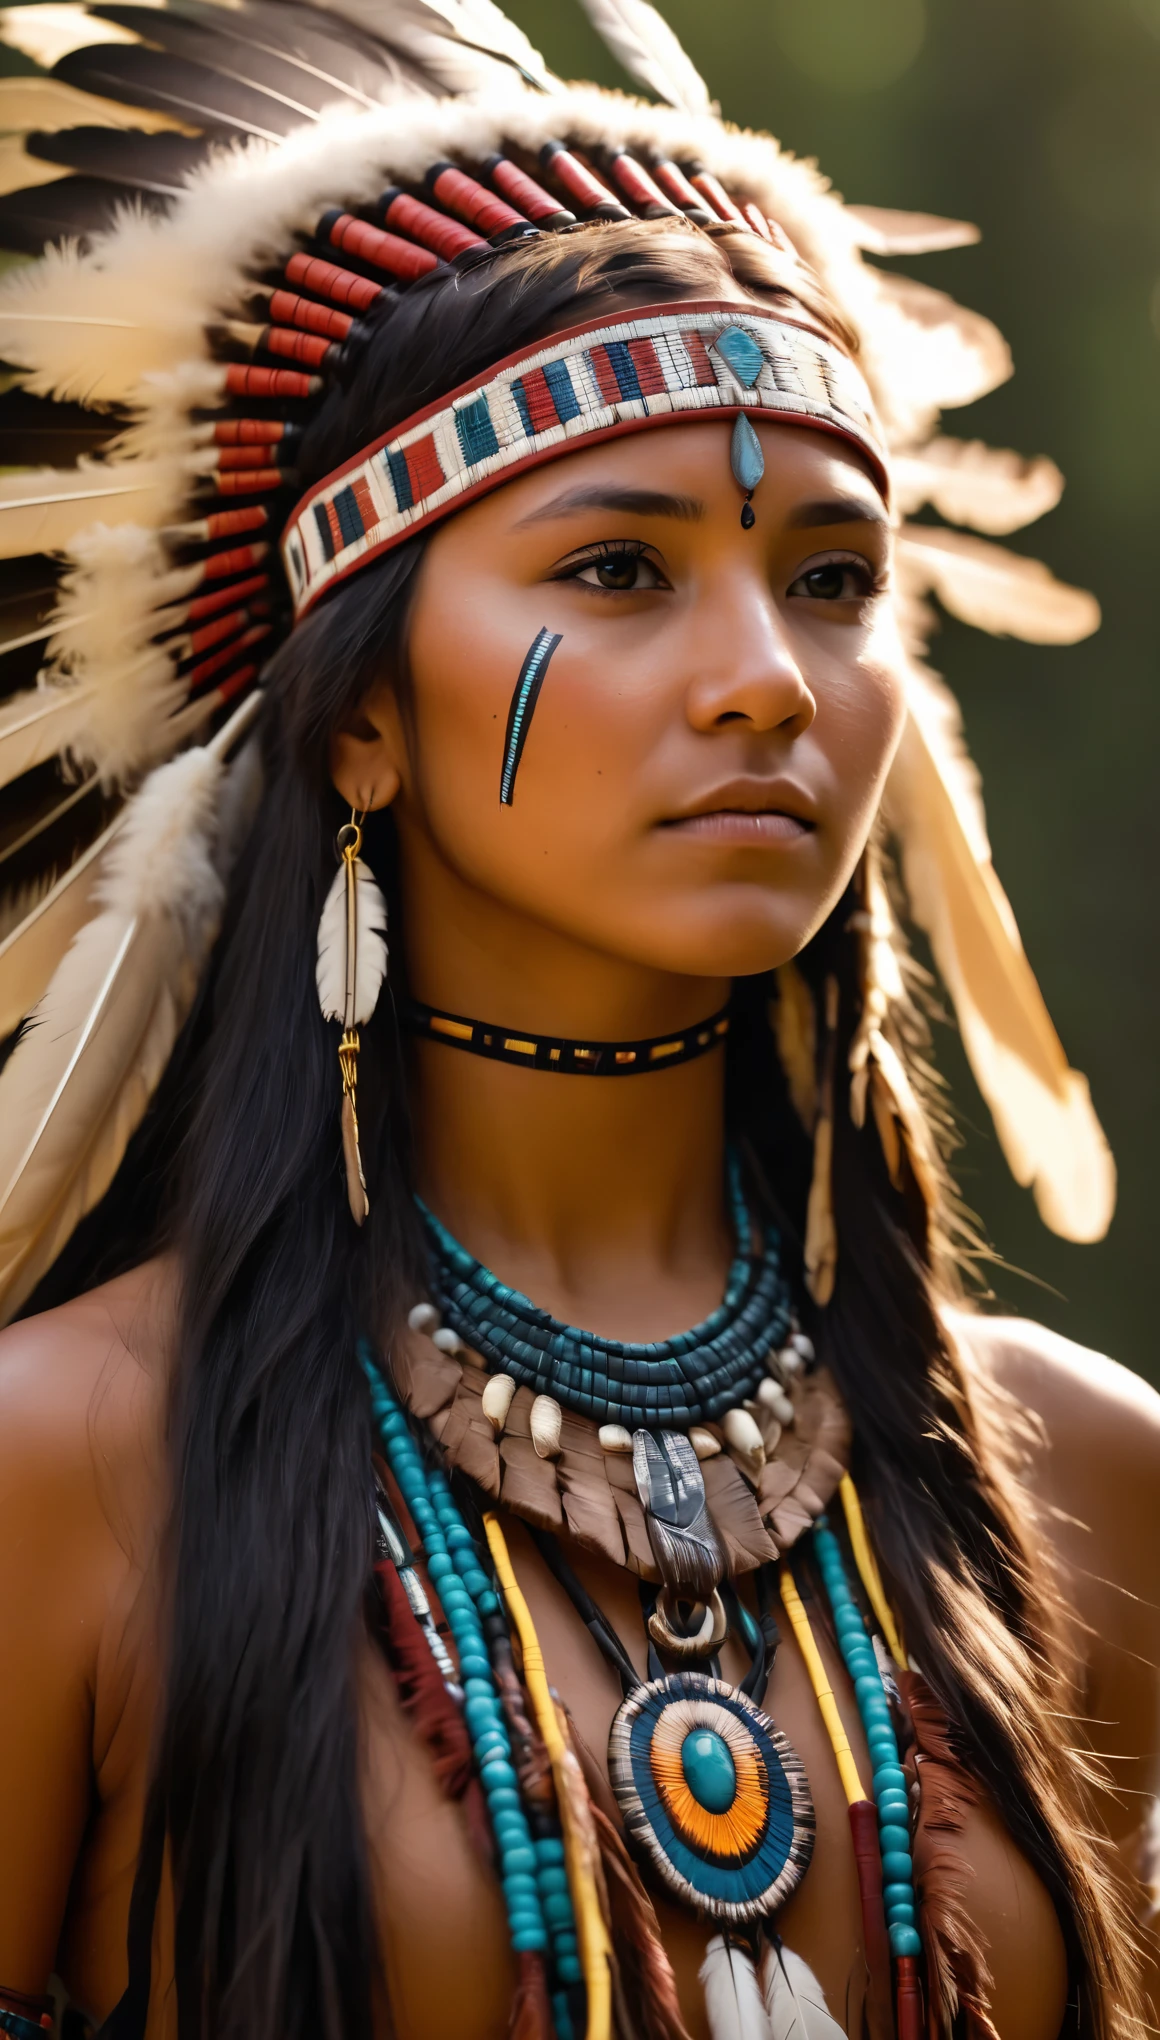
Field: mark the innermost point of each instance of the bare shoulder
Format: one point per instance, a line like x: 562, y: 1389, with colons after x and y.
x: 82, y: 1398
x: 1089, y: 1408
x: 1093, y: 1468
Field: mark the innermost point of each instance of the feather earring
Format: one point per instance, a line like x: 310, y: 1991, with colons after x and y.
x: 795, y: 2003
x: 821, y: 1248
x: 352, y: 964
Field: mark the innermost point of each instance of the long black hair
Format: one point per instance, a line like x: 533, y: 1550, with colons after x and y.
x: 257, y: 1768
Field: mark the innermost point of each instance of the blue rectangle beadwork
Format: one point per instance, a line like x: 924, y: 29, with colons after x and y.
x: 475, y: 431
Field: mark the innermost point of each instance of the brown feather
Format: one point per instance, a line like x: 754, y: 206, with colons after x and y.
x: 531, y: 2015
x: 732, y: 1505
x: 958, y: 1978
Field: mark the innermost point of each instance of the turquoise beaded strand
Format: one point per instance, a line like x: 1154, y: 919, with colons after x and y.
x: 532, y: 1873
x: 889, y: 1779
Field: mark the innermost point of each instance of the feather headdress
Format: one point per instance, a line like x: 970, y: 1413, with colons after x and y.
x: 161, y: 166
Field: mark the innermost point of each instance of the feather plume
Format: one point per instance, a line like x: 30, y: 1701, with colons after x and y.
x: 970, y: 483
x: 957, y: 1974
x: 42, y: 509
x: 643, y: 42
x: 733, y: 1998
x: 80, y: 1078
x: 643, y: 1962
x: 461, y: 45
x: 794, y: 2000
x: 119, y: 580
x: 994, y: 589
x: 940, y: 353
x: 37, y: 723
x: 883, y: 231
x: 349, y: 987
x: 1041, y: 1108
x: 31, y: 951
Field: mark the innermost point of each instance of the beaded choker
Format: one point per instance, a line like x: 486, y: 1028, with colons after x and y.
x: 554, y: 1052
x: 665, y: 1384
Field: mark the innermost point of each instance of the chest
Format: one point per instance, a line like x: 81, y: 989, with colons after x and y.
x: 449, y: 1968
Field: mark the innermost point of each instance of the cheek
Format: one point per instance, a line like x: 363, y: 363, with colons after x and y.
x: 588, y: 735
x: 861, y: 711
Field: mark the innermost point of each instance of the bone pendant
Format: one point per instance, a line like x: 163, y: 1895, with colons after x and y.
x: 744, y: 1440
x: 545, y: 1423
x: 496, y: 1400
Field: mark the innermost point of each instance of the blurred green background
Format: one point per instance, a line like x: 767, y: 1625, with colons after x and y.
x: 1039, y: 120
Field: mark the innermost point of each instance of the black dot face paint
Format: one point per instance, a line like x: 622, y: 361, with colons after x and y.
x: 523, y: 708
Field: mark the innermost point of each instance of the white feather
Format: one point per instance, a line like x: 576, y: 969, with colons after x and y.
x: 79, y: 1080
x: 733, y: 2000
x: 970, y: 483
x: 35, y: 724
x: 31, y: 950
x: 994, y: 589
x: 462, y: 45
x: 42, y: 509
x: 370, y: 960
x: 883, y: 231
x: 48, y: 104
x: 794, y: 1999
x: 48, y: 33
x: 645, y: 44
x: 1041, y: 1108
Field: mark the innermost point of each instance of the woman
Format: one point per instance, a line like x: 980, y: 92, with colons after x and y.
x: 606, y: 723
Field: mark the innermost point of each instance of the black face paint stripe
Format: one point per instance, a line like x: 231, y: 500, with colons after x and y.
x: 527, y: 693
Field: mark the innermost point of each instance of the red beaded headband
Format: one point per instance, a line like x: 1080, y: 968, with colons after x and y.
x: 664, y: 364
x: 590, y: 383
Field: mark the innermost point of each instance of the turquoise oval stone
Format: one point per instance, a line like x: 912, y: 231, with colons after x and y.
x: 745, y: 455
x: 743, y: 354
x: 709, y: 1771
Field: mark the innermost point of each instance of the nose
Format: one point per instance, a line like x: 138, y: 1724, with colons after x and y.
x: 744, y: 668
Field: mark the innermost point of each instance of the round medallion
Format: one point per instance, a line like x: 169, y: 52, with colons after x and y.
x: 714, y: 1793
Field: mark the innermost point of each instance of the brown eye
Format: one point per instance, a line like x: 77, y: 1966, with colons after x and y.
x: 835, y: 581
x: 619, y: 570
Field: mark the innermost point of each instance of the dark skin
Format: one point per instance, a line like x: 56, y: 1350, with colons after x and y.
x: 750, y: 678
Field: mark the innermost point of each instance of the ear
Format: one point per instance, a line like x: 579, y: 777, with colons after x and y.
x: 367, y: 753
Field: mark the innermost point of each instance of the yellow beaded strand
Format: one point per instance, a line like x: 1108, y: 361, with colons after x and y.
x: 595, y: 1950
x: 823, y: 1691
x: 868, y: 1571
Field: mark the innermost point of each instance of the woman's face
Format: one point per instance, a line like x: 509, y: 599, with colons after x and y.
x: 711, y: 737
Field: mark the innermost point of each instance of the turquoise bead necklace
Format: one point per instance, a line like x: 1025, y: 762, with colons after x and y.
x: 532, y: 1872
x: 666, y: 1384
x: 889, y: 1779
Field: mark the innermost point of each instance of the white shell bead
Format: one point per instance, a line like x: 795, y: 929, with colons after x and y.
x: 545, y: 1424
x: 775, y: 1400
x: 704, y: 1444
x: 423, y: 1318
x: 496, y: 1400
x: 615, y: 1438
x: 447, y: 1341
x: 787, y: 1362
x: 802, y: 1346
x: 743, y: 1437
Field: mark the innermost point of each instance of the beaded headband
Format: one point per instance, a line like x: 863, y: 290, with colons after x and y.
x: 654, y: 366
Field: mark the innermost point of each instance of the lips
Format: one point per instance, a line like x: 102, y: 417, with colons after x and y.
x: 772, y: 813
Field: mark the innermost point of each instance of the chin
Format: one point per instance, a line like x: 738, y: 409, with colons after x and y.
x: 719, y: 943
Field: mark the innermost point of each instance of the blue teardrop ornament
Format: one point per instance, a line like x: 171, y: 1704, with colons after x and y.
x: 745, y: 455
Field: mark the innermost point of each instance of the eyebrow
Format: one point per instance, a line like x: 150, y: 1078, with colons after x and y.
x: 839, y: 510
x: 633, y: 502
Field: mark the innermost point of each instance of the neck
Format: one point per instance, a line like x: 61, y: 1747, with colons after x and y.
x: 602, y: 1199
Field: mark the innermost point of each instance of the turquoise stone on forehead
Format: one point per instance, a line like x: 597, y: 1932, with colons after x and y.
x: 709, y: 1770
x: 745, y: 455
x: 742, y: 353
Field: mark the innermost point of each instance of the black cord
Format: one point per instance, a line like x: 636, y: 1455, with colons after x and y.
x: 593, y: 1618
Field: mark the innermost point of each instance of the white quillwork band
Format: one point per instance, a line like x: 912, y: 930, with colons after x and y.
x: 642, y: 368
